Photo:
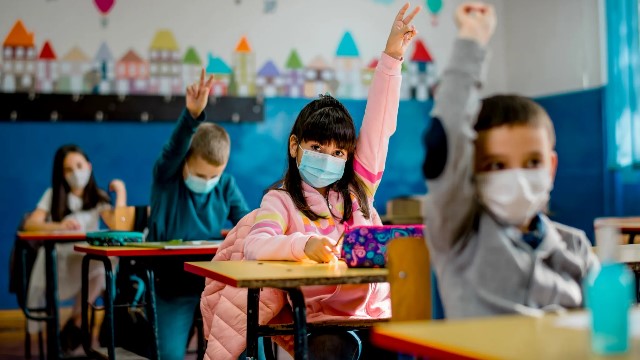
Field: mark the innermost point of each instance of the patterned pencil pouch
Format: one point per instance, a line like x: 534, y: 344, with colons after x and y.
x: 113, y: 238
x: 366, y: 246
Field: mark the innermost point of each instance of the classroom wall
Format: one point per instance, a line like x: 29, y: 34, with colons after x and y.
x: 216, y: 26
x: 127, y: 150
x: 552, y: 46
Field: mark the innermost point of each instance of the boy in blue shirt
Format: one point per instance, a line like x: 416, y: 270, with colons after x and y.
x: 191, y: 199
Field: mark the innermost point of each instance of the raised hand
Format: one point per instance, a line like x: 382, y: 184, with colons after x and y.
x: 402, y: 32
x: 476, y: 21
x: 198, y: 95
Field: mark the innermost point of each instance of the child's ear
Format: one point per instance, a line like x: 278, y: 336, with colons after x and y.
x: 554, y: 165
x: 293, y: 146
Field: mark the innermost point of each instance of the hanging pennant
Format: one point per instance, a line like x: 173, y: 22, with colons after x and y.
x: 270, y: 6
x: 104, y: 7
x: 434, y: 6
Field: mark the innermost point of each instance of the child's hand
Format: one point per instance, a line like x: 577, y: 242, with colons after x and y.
x: 401, y: 34
x: 476, y: 21
x: 198, y: 94
x: 320, y: 249
x: 70, y: 224
x: 117, y: 186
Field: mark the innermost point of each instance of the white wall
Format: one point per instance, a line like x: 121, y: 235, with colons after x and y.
x: 541, y: 47
x: 552, y: 46
x: 312, y: 27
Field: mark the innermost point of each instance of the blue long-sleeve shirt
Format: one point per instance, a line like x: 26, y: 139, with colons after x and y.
x: 176, y: 211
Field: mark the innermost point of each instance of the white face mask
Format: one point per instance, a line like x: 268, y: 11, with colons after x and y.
x: 514, y: 196
x: 78, y: 179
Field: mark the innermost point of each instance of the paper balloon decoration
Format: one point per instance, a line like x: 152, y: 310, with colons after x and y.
x: 434, y: 6
x: 104, y: 7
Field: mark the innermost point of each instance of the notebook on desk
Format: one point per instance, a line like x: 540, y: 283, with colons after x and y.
x: 178, y: 244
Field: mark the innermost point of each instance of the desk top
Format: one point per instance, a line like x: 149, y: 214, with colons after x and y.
x: 625, y: 224
x: 124, y: 251
x: 502, y: 337
x: 59, y: 236
x: 282, y: 274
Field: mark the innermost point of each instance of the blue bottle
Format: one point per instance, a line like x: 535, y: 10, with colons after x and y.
x: 609, y: 294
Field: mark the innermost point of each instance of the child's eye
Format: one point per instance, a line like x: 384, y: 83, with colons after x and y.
x: 338, y: 153
x: 533, y: 163
x: 495, y: 166
x: 316, y: 148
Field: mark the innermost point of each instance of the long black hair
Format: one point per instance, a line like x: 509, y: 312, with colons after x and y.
x: 91, y: 197
x: 326, y: 121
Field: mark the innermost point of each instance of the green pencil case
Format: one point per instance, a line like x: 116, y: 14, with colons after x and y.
x: 113, y: 238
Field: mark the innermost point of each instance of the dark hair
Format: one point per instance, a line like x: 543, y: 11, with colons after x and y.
x: 91, y: 196
x: 326, y: 121
x: 513, y: 110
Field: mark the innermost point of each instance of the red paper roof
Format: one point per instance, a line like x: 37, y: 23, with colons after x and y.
x: 47, y: 52
x: 420, y: 53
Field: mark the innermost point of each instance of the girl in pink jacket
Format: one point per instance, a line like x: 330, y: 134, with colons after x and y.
x: 330, y: 182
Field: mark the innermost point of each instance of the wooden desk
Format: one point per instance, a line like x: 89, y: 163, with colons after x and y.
x: 52, y: 307
x: 102, y: 254
x: 503, y: 337
x: 288, y: 276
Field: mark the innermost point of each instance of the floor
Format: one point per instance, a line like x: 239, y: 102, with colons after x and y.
x: 12, y: 333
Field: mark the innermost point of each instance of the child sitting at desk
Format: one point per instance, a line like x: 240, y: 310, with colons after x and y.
x: 329, y: 183
x: 191, y: 199
x: 490, y: 167
x: 74, y: 202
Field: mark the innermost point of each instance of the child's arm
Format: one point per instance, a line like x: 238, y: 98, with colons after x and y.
x: 381, y: 114
x: 37, y: 220
x: 451, y: 199
x: 267, y: 239
x: 174, y: 151
x: 109, y: 216
x: 238, y: 207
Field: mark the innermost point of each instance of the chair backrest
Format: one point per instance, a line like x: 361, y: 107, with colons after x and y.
x: 131, y: 218
x: 410, y: 279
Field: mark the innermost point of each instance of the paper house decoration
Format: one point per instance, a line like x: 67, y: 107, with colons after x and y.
x: 74, y: 65
x: 347, y: 68
x: 221, y: 75
x: 191, y: 67
x: 319, y: 78
x: 165, y: 64
x: 47, y: 73
x: 104, y: 76
x: 367, y: 73
x: 244, y: 69
x: 293, y: 76
x: 420, y: 74
x: 405, y: 87
x: 269, y: 82
x: 132, y: 74
x: 19, y: 60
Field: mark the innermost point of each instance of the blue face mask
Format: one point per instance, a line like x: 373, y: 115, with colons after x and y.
x: 320, y: 170
x: 199, y: 185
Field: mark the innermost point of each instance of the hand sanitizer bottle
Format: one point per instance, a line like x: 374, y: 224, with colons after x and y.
x: 609, y: 294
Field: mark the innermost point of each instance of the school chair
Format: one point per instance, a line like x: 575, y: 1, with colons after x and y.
x: 629, y: 227
x: 410, y: 279
x: 131, y: 218
x: 414, y: 290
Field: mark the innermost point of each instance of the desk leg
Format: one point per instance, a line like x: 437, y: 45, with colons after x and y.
x: 301, y: 347
x: 152, y: 312
x: 53, y: 325
x: 110, y: 291
x: 253, y: 307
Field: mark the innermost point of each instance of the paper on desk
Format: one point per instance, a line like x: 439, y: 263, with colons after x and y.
x: 581, y: 321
